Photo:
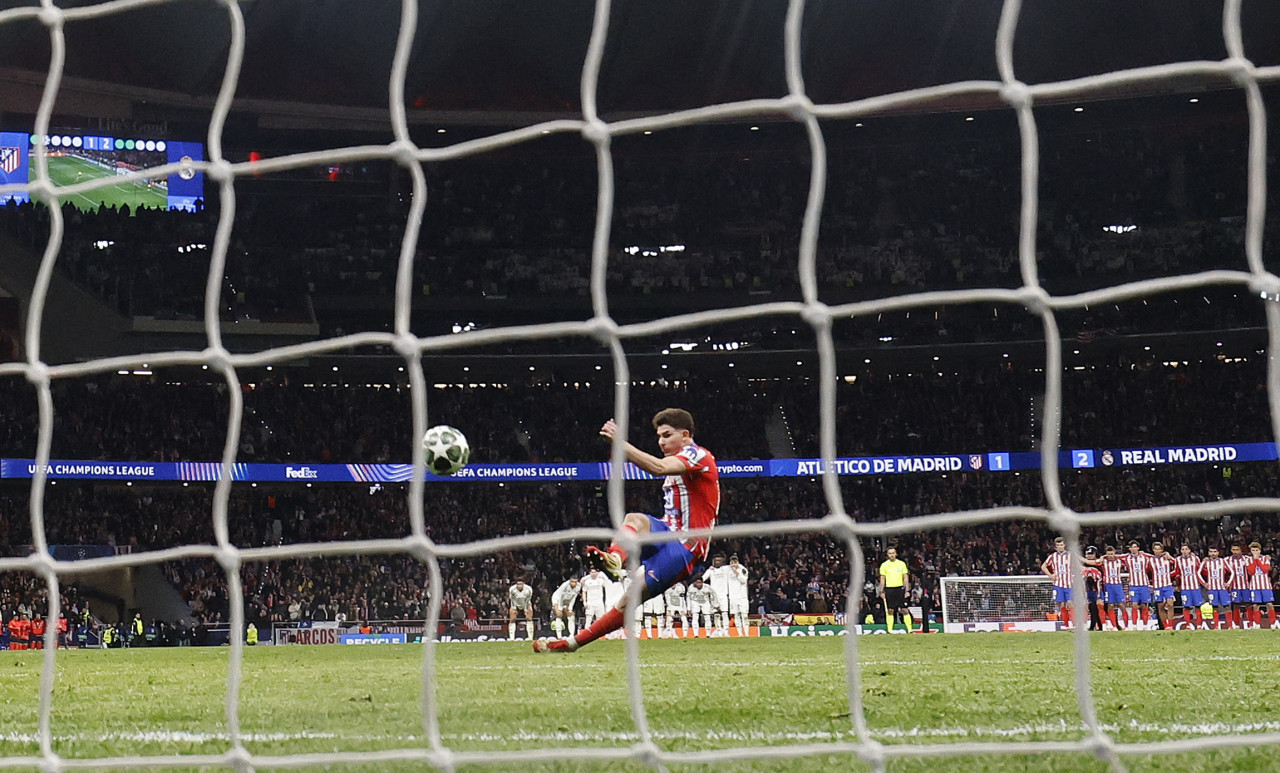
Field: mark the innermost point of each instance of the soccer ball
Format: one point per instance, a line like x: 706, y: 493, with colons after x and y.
x: 447, y: 450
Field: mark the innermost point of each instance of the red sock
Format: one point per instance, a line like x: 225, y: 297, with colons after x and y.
x: 608, y: 622
x: 1112, y: 617
x: 1235, y: 618
x: 1199, y: 617
x: 614, y: 547
x: 1066, y: 615
x: 1186, y: 616
x: 1146, y: 614
x: 1271, y: 617
x: 1256, y: 616
x: 1217, y: 622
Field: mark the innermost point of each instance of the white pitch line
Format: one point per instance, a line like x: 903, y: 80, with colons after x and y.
x: 890, y: 733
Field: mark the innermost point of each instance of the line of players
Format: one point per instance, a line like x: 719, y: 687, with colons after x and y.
x: 718, y: 596
x: 1234, y: 589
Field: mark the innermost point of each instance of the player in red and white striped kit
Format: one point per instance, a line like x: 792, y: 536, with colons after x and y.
x: 1218, y: 578
x: 1191, y: 585
x: 1260, y: 590
x: 691, y: 502
x: 1162, y: 567
x: 1138, y: 562
x: 1058, y: 566
x: 1240, y: 595
x: 1113, y: 594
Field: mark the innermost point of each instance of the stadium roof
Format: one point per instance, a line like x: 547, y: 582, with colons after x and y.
x: 315, y: 64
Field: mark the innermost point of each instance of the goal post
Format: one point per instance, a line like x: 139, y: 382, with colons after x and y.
x: 998, y: 603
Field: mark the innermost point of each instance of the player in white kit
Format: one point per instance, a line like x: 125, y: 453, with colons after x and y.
x: 654, y: 611
x: 613, y: 593
x: 718, y: 578
x: 701, y: 599
x: 674, y: 597
x: 593, y: 587
x: 521, y: 598
x: 739, y: 605
x: 562, y: 602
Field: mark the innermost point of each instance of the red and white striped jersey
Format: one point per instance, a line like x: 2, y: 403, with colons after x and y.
x: 691, y: 500
x: 1112, y: 568
x: 1217, y: 573
x: 1239, y: 565
x: 1059, y: 563
x: 1139, y: 565
x: 1189, y: 571
x: 1260, y: 573
x: 1094, y: 576
x: 1161, y: 570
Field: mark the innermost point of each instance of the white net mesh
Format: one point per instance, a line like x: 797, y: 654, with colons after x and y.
x: 797, y: 106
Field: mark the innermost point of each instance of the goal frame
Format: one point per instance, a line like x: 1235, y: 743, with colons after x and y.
x: 947, y: 588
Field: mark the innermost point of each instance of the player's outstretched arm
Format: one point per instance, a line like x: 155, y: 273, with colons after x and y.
x: 651, y: 464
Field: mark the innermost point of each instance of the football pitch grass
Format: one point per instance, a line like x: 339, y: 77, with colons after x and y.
x: 700, y: 696
x: 68, y: 170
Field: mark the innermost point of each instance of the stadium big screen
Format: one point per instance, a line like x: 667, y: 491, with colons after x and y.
x: 78, y: 158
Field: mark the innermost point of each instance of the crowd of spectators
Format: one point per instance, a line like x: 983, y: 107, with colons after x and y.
x: 797, y: 573
x: 130, y: 418
x: 1114, y: 206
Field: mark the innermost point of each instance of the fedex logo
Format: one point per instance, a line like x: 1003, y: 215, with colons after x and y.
x: 305, y: 473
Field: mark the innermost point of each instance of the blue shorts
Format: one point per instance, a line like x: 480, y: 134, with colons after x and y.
x: 1240, y: 596
x: 1061, y: 595
x: 1164, y: 593
x: 1263, y: 596
x: 665, y: 563
x: 1140, y: 594
x: 1192, y: 598
x: 1093, y: 596
x: 1220, y: 598
x: 1114, y: 594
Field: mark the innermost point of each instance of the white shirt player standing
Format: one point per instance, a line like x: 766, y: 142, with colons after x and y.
x: 674, y: 597
x: 718, y: 578
x: 654, y: 611
x: 738, y: 602
x: 593, y: 588
x: 562, y: 602
x: 521, y: 597
x: 701, y: 599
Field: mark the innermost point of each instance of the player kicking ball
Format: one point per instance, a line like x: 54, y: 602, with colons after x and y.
x: 691, y: 500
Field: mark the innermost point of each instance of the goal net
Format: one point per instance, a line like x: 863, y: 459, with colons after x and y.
x: 810, y: 313
x: 972, y: 604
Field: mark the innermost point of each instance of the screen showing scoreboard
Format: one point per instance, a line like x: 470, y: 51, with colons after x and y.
x: 77, y: 157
